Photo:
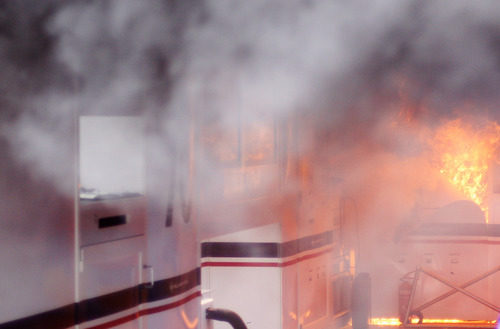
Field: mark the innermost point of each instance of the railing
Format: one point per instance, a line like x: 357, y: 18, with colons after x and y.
x: 455, y: 288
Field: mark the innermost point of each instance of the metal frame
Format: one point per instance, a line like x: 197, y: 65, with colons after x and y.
x: 454, y: 289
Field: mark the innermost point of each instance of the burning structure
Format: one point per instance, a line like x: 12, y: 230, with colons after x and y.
x: 165, y: 158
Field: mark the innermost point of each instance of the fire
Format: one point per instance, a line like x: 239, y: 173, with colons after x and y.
x: 395, y: 321
x: 385, y: 322
x: 464, y: 153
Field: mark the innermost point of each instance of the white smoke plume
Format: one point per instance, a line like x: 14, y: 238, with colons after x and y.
x: 337, y: 57
x: 345, y: 61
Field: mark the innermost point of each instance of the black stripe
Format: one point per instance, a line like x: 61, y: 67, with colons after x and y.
x: 289, y: 248
x: 315, y: 241
x: 101, y: 306
x: 171, y: 287
x: 458, y: 229
x: 266, y: 249
x: 239, y: 249
x: 59, y: 318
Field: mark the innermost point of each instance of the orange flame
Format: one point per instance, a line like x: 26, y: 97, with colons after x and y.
x: 464, y: 153
x: 395, y: 321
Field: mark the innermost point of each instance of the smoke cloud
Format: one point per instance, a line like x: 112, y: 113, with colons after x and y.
x: 359, y: 65
x: 348, y: 60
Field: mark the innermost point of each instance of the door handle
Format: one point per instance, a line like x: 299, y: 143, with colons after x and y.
x: 151, y: 276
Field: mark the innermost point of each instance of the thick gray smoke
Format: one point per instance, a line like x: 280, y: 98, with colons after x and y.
x: 348, y: 61
x: 344, y: 58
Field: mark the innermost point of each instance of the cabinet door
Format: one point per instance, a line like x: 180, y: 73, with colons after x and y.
x: 109, y: 277
x: 312, y: 292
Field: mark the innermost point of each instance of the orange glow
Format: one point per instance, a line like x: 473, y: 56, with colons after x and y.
x: 302, y: 318
x: 221, y: 144
x: 463, y: 153
x: 409, y: 110
x: 258, y: 142
x: 385, y: 322
x: 189, y: 324
x: 396, y: 322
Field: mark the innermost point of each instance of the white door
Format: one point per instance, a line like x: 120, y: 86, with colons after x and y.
x: 109, y: 279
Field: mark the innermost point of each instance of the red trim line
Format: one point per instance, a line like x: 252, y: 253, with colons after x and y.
x: 266, y: 264
x: 140, y: 313
x: 241, y: 264
x: 162, y: 308
x: 454, y: 241
x: 117, y: 322
x: 306, y: 257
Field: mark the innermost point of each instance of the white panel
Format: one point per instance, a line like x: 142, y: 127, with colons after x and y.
x: 134, y: 209
x: 254, y: 293
x: 266, y: 233
x: 111, y: 267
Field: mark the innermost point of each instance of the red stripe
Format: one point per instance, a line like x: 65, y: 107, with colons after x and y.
x: 116, y: 322
x: 140, y: 313
x: 241, y: 264
x: 171, y: 305
x: 266, y: 264
x: 306, y: 257
x: 455, y: 241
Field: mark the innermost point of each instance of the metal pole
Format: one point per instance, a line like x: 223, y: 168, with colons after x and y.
x: 453, y: 291
x: 412, y: 295
x: 465, y: 292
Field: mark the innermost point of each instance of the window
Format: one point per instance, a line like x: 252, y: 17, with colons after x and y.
x: 111, y: 157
